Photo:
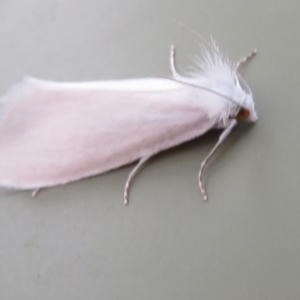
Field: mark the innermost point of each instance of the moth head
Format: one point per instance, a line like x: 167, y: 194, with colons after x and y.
x: 246, y: 110
x: 224, y: 80
x: 215, y: 66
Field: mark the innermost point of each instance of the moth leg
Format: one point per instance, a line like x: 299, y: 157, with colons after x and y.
x: 173, y: 63
x: 243, y: 60
x: 222, y: 138
x: 131, y: 176
x: 35, y: 193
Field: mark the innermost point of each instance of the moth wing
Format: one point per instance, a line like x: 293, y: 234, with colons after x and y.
x: 54, y: 133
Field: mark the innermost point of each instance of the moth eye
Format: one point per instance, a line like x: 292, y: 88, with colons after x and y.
x: 243, y: 114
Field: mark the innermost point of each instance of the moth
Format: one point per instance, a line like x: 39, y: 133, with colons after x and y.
x: 53, y: 133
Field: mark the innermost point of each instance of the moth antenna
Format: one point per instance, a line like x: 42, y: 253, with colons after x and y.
x: 200, y: 87
x: 211, y: 47
x: 135, y: 170
x: 173, y: 62
x: 222, y: 138
x: 195, y: 33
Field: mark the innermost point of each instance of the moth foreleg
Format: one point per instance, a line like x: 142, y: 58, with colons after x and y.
x: 131, y: 176
x: 222, y: 138
x: 35, y: 193
x: 243, y: 60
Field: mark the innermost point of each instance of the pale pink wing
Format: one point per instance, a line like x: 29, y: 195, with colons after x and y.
x: 55, y: 133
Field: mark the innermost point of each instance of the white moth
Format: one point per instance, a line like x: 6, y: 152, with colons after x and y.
x: 54, y: 133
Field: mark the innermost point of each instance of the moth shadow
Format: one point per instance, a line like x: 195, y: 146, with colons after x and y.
x: 203, y: 143
x: 206, y: 142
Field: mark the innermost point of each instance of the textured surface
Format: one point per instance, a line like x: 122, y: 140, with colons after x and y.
x: 80, y: 242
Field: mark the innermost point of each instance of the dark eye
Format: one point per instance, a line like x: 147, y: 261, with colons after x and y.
x: 243, y: 114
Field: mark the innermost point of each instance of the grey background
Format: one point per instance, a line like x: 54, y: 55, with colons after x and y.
x: 80, y: 242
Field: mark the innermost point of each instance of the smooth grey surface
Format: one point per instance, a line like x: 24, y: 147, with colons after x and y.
x: 80, y: 242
